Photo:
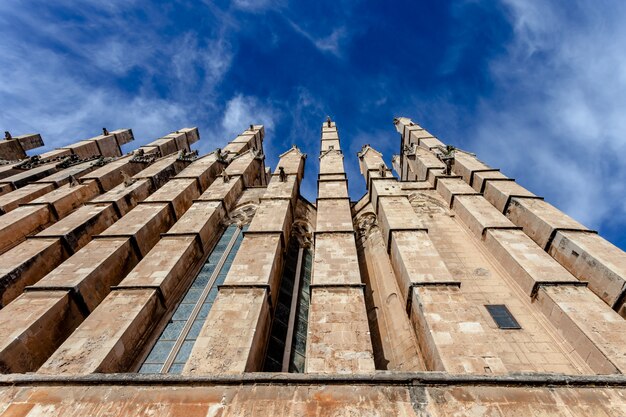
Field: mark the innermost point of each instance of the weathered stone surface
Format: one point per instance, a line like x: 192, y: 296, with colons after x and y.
x: 21, y: 222
x: 595, y: 331
x: 334, y: 216
x: 247, y: 328
x: 202, y: 219
x: 77, y: 230
x: 258, y: 263
x: 540, y: 220
x: 451, y: 187
x: 13, y: 199
x: 592, y: 259
x: 339, y: 337
x: 499, y: 193
x: 92, y: 271
x: 416, y: 261
x: 479, y: 215
x: 165, y: 267
x: 529, y: 265
x: 335, y: 261
x: 122, y: 322
x: 481, y: 179
x: 125, y: 198
x: 25, y: 264
x: 143, y: 224
x: 27, y: 337
x: 178, y: 192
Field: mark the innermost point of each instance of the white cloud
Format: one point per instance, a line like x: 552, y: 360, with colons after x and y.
x: 61, y: 77
x: 556, y: 121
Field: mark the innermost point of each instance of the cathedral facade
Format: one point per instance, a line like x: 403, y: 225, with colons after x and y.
x: 163, y: 282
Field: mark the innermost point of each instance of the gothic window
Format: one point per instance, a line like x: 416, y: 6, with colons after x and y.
x: 173, y: 347
x: 286, y: 349
x: 502, y: 316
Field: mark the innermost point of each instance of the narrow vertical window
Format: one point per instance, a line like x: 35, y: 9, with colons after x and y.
x: 172, y: 349
x: 287, y: 344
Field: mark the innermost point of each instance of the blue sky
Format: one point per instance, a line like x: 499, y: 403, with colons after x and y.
x: 536, y: 88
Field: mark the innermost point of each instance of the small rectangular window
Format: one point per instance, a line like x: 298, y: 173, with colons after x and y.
x: 502, y: 316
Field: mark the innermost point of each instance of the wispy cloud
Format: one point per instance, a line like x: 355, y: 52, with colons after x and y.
x: 331, y: 43
x: 556, y: 121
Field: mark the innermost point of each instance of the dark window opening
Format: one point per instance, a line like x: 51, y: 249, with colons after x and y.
x: 502, y: 316
x: 286, y: 347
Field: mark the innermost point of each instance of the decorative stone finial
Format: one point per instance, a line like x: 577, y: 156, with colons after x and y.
x: 7, y: 135
x: 105, y: 132
x: 328, y: 121
x: 128, y: 180
x: 281, y: 174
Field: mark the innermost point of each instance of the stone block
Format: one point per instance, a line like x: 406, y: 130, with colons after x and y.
x: 382, y: 186
x: 467, y: 165
x: 84, y: 148
x: 55, y: 153
x: 110, y: 338
x: 28, y: 336
x: 247, y: 166
x: 144, y: 224
x: 26, y: 264
x: 107, y: 146
x: 91, y: 272
x: 202, y: 219
x: 111, y: 175
x: 526, y: 262
x: 226, y: 192
x: 125, y: 198
x: 66, y: 199
x: 287, y: 189
x: 330, y: 144
x: 332, y: 189
x: 338, y: 332
x: 592, y: 259
x: 479, y: 215
x: 234, y: 335
x: 422, y: 163
x: 192, y: 134
x: 588, y: 324
x: 11, y: 200
x: 273, y: 216
x: 258, y: 263
x: 123, y: 136
x: 77, y: 229
x: 335, y: 261
x: 332, y: 134
x: 21, y: 222
x: 166, y: 267
x: 331, y: 163
x: 162, y: 170
x: 334, y: 216
x: 179, y: 192
x: 415, y: 261
x: 26, y: 177
x: 499, y: 193
x: 451, y: 187
x: 481, y: 179
x: 540, y: 220
x: 205, y: 169
x: 394, y: 214
x: 292, y: 162
x: 430, y: 143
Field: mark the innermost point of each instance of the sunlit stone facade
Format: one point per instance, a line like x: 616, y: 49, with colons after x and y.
x: 163, y: 282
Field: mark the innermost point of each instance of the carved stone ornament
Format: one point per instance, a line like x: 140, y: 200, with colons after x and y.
x: 365, y: 223
x: 425, y: 204
x: 242, y: 215
x: 303, y: 231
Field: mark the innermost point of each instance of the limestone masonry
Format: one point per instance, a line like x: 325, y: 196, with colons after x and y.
x: 163, y: 282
